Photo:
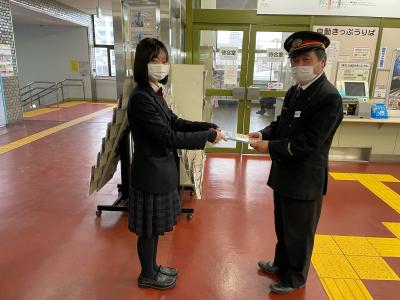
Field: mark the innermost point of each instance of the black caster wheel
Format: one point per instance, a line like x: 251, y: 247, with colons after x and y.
x: 98, y: 213
x: 189, y: 216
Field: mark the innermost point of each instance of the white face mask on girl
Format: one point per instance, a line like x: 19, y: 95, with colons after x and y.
x: 158, y: 72
x: 303, y: 74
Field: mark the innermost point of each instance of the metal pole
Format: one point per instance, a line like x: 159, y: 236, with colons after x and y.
x: 58, y: 99
x: 83, y: 87
x: 30, y: 95
x: 118, y: 25
x: 62, y: 92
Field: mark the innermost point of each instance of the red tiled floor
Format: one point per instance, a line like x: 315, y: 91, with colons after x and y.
x: 36, y: 124
x: 54, y: 247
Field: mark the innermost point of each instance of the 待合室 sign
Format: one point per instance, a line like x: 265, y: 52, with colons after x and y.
x: 228, y: 53
x: 275, y: 55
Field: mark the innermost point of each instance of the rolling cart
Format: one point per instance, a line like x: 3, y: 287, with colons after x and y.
x: 121, y: 203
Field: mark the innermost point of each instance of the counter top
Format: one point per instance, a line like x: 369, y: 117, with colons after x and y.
x: 392, y: 120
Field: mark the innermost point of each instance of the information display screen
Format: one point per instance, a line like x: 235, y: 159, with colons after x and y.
x: 356, y: 89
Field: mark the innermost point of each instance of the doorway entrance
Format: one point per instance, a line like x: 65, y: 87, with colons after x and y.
x: 247, y: 74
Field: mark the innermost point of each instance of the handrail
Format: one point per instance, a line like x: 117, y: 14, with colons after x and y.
x: 39, y: 96
x: 38, y: 88
x: 44, y: 91
x: 36, y: 82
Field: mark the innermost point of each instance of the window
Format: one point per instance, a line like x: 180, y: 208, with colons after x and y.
x: 217, y: 61
x: 104, y: 46
x: 269, y: 69
x: 101, y: 61
x: 112, y: 62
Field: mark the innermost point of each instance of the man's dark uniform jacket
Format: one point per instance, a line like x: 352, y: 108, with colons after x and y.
x: 300, y: 140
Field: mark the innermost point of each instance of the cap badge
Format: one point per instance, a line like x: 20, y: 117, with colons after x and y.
x: 296, y: 43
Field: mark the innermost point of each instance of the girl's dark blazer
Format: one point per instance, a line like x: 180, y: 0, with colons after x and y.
x: 157, y: 133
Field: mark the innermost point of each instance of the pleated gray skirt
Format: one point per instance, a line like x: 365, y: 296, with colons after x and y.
x: 152, y: 214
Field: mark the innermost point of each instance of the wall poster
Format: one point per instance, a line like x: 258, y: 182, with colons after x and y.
x: 143, y: 23
x: 394, y: 82
x: 361, y: 53
x: 353, y: 71
x: 6, y: 61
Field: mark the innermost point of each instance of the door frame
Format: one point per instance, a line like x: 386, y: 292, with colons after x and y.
x: 250, y: 72
x: 197, y: 28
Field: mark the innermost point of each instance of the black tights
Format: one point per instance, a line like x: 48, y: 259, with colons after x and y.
x: 147, y: 252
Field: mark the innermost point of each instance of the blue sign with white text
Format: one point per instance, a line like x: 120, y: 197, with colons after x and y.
x: 3, y: 115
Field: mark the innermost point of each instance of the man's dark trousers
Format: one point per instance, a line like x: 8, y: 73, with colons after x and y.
x: 295, y: 226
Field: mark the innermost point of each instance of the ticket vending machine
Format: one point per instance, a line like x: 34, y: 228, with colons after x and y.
x: 355, y: 98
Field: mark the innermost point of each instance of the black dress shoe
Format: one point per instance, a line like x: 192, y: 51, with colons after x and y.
x: 168, y: 271
x: 268, y: 267
x: 279, y: 287
x: 162, y: 282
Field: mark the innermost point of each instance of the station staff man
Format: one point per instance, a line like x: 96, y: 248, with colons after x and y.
x: 299, y: 143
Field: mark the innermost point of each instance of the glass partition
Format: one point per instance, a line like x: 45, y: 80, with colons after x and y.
x: 221, y: 53
x: 271, y: 63
x: 223, y: 111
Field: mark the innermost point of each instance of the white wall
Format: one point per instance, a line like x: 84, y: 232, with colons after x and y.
x: 44, y: 53
x: 106, y: 88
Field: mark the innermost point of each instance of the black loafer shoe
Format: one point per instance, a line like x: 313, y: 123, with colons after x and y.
x: 268, y: 267
x: 162, y: 282
x: 168, y: 271
x: 279, y: 287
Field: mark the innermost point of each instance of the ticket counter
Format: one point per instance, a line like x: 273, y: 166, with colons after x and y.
x: 367, y: 140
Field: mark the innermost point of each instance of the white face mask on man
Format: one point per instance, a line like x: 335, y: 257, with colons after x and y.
x: 158, y: 72
x: 303, y: 74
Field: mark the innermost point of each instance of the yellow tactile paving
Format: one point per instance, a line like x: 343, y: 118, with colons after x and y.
x: 38, y: 112
x: 375, y: 183
x: 383, y: 192
x: 104, y: 102
x: 75, y: 103
x: 333, y: 266
x: 56, y: 107
x: 325, y: 244
x: 359, y: 258
x: 373, y: 268
x: 345, y: 289
x: 364, y: 255
x: 386, y: 247
x: 354, y: 245
x: 361, y: 176
x: 375, y: 177
x: 47, y: 132
x: 393, y: 227
x: 330, y: 288
x: 342, y: 176
x: 358, y: 289
x: 380, y: 189
x: 72, y: 103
